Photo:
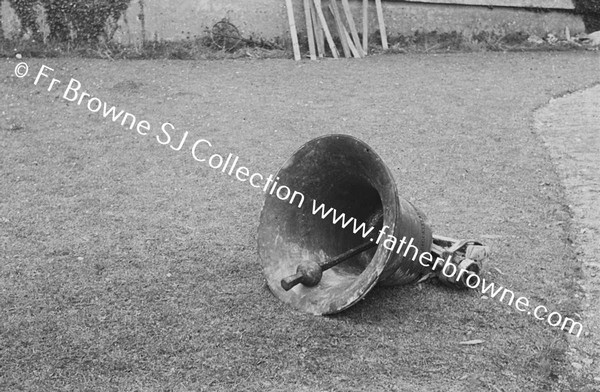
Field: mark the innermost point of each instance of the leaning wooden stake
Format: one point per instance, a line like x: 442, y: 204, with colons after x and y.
x: 318, y: 30
x: 323, y: 21
x: 352, y: 26
x: 354, y: 49
x: 293, y: 32
x: 365, y: 21
x: 333, y: 7
x: 384, y: 42
x: 309, y: 30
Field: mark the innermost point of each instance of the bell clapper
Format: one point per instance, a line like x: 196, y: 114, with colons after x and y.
x: 309, y: 273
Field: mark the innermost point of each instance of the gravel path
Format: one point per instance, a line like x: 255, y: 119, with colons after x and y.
x: 570, y: 126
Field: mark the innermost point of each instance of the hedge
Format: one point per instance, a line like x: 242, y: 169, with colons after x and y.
x: 590, y: 12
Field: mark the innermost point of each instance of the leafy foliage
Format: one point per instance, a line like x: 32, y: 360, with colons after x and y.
x: 77, y: 21
x: 587, y: 6
x: 27, y: 15
x: 590, y: 11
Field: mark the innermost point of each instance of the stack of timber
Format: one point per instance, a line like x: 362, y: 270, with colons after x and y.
x: 319, y: 33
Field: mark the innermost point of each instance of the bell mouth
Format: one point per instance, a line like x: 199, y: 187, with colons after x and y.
x: 348, y: 196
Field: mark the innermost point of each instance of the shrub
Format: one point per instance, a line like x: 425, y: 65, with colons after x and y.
x: 27, y: 15
x: 78, y: 21
x: 590, y: 11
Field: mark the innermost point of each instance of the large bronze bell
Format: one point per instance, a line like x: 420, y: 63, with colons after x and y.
x: 315, y: 264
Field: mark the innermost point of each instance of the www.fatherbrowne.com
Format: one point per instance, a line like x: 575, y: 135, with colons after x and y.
x: 449, y: 269
x: 75, y: 93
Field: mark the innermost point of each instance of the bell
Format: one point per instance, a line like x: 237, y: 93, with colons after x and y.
x: 339, y: 227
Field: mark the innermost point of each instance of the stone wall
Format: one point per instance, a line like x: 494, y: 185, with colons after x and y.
x: 171, y: 20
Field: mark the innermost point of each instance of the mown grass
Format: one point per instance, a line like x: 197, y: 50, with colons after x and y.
x: 126, y: 265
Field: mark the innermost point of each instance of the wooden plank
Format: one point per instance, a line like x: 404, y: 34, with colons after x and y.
x: 318, y: 30
x: 293, y: 31
x: 352, y: 26
x: 328, y: 36
x: 384, y: 42
x: 333, y: 7
x: 544, y: 4
x: 353, y: 48
x: 309, y: 30
x: 365, y: 21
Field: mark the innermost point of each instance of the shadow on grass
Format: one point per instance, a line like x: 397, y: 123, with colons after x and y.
x: 384, y: 303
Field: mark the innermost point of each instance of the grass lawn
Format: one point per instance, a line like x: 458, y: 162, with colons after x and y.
x: 128, y: 266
